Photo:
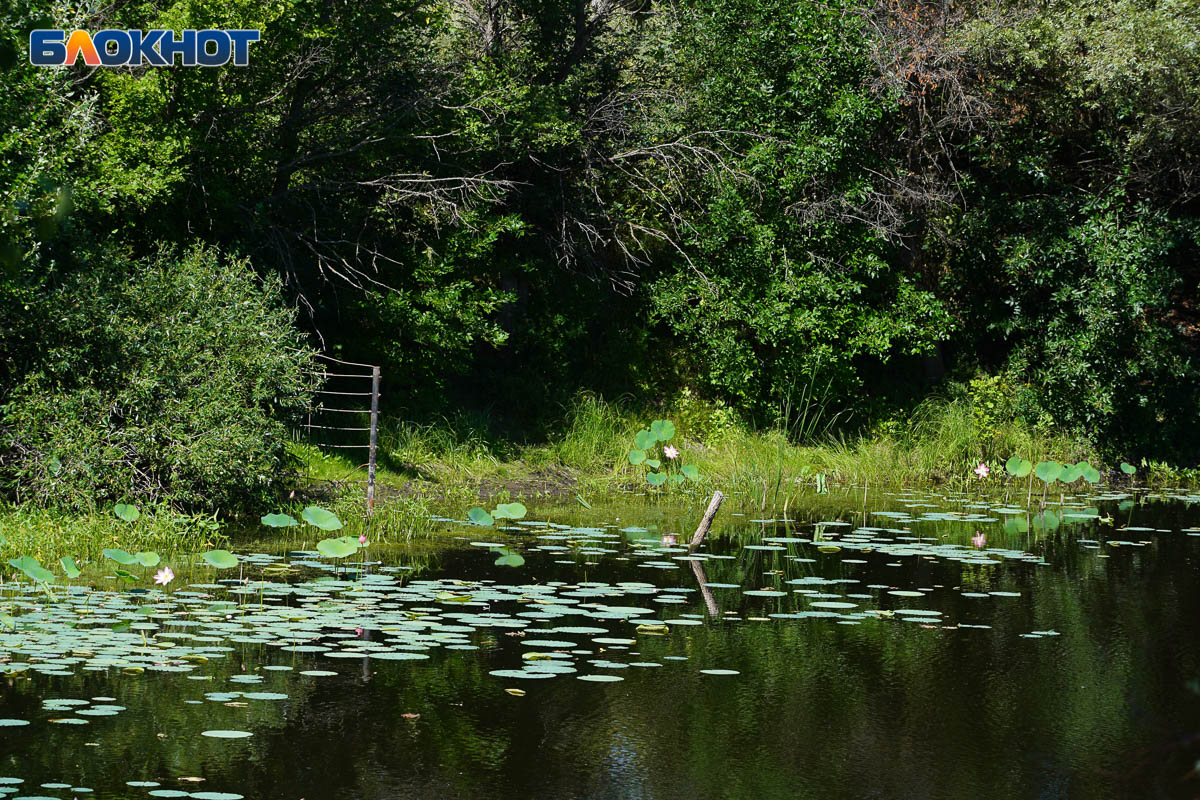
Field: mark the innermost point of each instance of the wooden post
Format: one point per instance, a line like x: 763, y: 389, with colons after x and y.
x: 374, y: 431
x: 710, y: 602
x: 706, y: 521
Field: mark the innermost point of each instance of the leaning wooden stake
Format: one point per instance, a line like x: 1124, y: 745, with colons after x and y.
x: 710, y: 602
x: 706, y: 521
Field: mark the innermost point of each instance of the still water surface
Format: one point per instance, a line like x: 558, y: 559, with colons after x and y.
x: 1044, y: 662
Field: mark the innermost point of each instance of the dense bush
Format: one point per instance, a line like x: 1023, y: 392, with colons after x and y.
x: 773, y: 203
x: 172, y: 378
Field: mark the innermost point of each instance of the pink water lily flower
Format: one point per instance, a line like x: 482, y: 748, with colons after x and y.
x: 164, y: 576
x: 362, y: 538
x: 668, y: 539
x: 982, y: 470
x: 979, y: 539
x: 671, y: 452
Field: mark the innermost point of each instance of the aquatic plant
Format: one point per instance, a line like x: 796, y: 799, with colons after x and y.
x: 642, y: 452
x: 513, y: 511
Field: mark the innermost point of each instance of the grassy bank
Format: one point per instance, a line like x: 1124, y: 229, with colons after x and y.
x: 444, y: 469
x: 454, y: 462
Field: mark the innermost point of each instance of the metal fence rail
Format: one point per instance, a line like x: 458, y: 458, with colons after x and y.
x: 320, y: 417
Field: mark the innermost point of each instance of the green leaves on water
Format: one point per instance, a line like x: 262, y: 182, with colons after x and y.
x: 226, y: 734
x: 509, y: 558
x: 1048, y: 471
x: 510, y: 511
x: 147, y: 559
x: 120, y: 556
x: 503, y: 511
x: 1018, y: 467
x: 1127, y: 468
x: 663, y: 466
x: 279, y: 521
x: 69, y: 567
x: 221, y: 559
x: 321, y: 518
x: 32, y: 569
x: 127, y: 512
x: 340, y: 547
x: 1070, y: 473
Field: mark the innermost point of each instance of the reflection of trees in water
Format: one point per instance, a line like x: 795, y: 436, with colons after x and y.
x: 819, y: 709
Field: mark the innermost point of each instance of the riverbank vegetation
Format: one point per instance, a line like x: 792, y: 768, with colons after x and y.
x: 880, y: 242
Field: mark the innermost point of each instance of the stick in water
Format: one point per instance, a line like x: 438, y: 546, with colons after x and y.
x: 706, y: 521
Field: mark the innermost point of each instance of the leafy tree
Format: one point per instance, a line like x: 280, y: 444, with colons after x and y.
x: 171, y: 379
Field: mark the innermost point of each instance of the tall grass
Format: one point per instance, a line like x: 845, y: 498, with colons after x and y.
x: 939, y: 445
x: 48, y: 534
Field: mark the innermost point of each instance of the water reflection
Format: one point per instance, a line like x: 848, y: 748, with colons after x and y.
x: 1066, y: 667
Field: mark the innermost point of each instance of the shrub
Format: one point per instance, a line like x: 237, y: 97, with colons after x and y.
x: 168, y: 380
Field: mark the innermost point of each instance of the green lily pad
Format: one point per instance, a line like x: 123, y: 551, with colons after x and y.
x: 221, y: 559
x: 1048, y: 471
x: 321, y: 518
x: 32, y: 568
x: 510, y: 511
x: 337, y: 548
x: 478, y: 516
x: 120, y: 556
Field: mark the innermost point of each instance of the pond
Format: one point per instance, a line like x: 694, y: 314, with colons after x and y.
x: 905, y: 645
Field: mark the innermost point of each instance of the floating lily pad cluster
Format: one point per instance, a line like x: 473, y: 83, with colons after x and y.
x: 307, y: 615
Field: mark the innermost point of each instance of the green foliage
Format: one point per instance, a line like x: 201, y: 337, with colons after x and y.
x: 1048, y: 471
x: 339, y: 547
x: 32, y: 569
x: 654, y: 440
x: 513, y: 511
x: 119, y: 556
x: 220, y: 559
x: 321, y: 518
x: 169, y: 379
x: 723, y: 209
x: 1018, y: 467
x: 69, y: 567
x: 478, y: 516
x: 508, y: 558
x: 49, y: 534
x: 123, y: 510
